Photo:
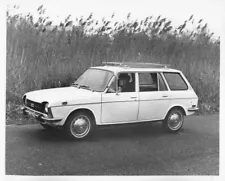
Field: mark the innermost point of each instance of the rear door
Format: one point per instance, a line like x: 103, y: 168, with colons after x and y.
x: 154, y: 98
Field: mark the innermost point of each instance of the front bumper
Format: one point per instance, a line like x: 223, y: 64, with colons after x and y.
x: 43, y: 118
x: 193, y: 109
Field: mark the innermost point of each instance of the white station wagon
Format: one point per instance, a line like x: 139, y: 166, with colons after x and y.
x: 115, y: 93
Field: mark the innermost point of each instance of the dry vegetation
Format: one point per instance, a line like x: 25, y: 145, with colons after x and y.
x: 43, y: 55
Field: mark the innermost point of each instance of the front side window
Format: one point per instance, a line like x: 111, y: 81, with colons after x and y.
x: 175, y: 81
x: 94, y: 79
x: 126, y: 82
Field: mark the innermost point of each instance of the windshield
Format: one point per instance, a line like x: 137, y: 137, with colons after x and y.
x: 94, y: 79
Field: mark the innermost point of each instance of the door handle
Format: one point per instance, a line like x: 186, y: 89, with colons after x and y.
x: 165, y: 96
x: 133, y: 97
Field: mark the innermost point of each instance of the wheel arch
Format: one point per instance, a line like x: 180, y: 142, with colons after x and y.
x: 176, y: 107
x: 88, y: 111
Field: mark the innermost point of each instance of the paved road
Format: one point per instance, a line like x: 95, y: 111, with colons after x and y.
x: 132, y: 150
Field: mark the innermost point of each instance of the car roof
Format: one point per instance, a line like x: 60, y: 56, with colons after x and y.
x: 117, y: 69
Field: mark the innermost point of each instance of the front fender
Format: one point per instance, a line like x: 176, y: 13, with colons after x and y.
x: 66, y: 110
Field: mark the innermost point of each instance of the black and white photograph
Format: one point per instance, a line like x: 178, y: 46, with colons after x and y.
x: 113, y: 88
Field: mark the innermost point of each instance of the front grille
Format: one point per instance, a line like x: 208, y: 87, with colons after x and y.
x: 35, y: 105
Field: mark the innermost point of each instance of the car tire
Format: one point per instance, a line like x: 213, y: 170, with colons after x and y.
x: 79, y: 125
x: 47, y: 127
x: 173, y: 121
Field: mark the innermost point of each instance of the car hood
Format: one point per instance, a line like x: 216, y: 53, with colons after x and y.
x: 71, y: 95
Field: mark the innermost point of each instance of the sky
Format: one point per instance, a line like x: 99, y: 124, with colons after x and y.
x: 175, y: 10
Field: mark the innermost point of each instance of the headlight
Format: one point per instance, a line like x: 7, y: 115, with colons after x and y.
x: 46, y: 107
x: 50, y: 113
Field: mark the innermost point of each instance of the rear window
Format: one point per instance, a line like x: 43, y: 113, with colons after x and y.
x: 175, y: 81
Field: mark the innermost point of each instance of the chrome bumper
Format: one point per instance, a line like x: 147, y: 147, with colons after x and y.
x: 39, y: 116
x: 193, y: 109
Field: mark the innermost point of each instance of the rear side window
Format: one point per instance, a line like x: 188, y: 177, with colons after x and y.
x: 151, y: 82
x: 148, y: 82
x: 175, y: 81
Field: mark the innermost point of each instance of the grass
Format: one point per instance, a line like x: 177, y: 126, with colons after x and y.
x: 42, y: 55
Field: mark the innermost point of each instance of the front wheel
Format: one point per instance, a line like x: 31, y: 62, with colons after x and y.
x: 173, y: 121
x: 79, y: 125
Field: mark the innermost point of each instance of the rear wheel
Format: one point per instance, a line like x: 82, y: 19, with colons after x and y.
x: 79, y: 125
x: 174, y: 120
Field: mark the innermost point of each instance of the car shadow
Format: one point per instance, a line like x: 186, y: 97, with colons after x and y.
x: 129, y: 131
x: 51, y: 135
x: 109, y: 132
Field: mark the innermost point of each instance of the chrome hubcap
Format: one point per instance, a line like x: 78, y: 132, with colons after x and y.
x: 80, y: 126
x: 175, y: 121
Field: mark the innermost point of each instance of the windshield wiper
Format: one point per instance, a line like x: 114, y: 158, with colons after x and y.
x: 85, y: 87
x: 82, y: 86
x: 75, y: 84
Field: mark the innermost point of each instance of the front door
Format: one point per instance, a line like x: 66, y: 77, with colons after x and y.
x: 120, y: 102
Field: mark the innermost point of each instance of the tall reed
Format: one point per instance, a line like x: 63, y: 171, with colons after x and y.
x: 42, y: 55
